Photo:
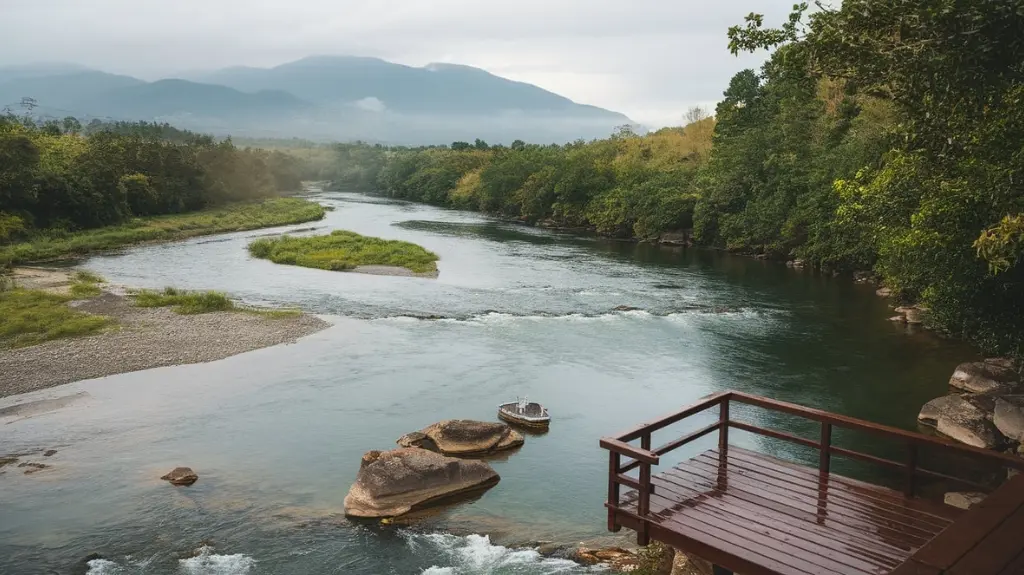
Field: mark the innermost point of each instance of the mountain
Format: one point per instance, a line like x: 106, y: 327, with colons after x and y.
x: 321, y: 97
x: 176, y: 97
x: 63, y: 90
x: 435, y: 88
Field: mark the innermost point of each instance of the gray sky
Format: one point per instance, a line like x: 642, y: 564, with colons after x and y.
x: 650, y: 59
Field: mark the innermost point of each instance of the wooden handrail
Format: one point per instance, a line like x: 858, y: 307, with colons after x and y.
x: 622, y: 448
x: 652, y: 426
x: 673, y: 445
x: 644, y: 457
x: 875, y: 428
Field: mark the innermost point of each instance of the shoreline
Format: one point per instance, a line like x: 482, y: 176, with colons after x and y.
x: 142, y: 338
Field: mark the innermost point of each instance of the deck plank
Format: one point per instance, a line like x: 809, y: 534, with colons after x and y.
x: 832, y: 502
x: 832, y: 543
x: 982, y: 519
x: 787, y: 521
x: 823, y: 510
x: 996, y: 551
x: 883, y: 495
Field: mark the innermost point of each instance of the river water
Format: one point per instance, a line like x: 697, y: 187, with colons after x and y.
x: 276, y: 435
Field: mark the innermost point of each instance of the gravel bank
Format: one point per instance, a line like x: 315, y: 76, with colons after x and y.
x: 145, y: 338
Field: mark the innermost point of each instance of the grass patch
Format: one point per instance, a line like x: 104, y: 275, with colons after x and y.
x: 86, y: 276
x: 185, y: 302
x: 28, y: 317
x: 273, y: 313
x: 85, y: 284
x: 343, y: 250
x: 55, y: 244
x: 195, y: 302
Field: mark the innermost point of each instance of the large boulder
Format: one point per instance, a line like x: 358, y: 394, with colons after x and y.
x: 932, y: 410
x: 984, y: 377
x: 464, y: 437
x: 961, y: 420
x: 392, y: 483
x: 1008, y: 416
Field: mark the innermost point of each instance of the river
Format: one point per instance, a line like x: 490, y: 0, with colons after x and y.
x: 276, y: 435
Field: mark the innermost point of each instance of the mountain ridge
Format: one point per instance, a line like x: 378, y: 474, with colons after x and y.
x: 334, y: 97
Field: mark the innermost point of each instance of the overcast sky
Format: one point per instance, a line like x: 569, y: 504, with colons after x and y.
x: 650, y: 59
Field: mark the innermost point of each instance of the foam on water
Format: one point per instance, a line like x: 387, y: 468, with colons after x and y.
x: 103, y: 567
x: 206, y: 562
x: 502, y: 318
x: 476, y: 555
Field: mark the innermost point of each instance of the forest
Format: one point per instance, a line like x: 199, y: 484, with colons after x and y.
x: 882, y: 137
x: 879, y: 137
x: 61, y: 176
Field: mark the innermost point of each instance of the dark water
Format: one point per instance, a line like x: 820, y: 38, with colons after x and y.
x: 276, y: 435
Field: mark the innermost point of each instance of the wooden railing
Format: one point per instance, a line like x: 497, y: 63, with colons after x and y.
x: 643, y: 457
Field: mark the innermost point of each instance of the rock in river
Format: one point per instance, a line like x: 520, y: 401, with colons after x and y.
x: 464, y: 437
x: 984, y: 377
x: 1008, y: 416
x: 181, y: 476
x: 392, y: 483
x: 959, y: 419
x: 963, y: 499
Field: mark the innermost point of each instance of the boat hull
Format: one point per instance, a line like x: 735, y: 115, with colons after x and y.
x: 509, y: 418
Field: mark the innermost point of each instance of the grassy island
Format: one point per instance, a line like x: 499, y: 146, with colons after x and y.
x: 344, y: 250
x: 55, y: 244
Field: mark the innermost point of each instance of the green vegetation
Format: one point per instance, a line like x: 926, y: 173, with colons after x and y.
x: 53, y: 244
x: 196, y: 302
x: 28, y: 317
x: 879, y: 136
x: 184, y: 302
x: 85, y: 284
x: 60, y: 179
x: 342, y: 250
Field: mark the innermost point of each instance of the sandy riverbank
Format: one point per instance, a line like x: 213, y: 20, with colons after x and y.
x: 143, y: 338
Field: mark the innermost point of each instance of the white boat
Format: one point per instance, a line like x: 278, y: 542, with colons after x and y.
x: 525, y: 413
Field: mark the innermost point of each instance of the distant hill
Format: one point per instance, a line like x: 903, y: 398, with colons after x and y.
x: 321, y: 97
x: 435, y: 88
x: 64, y: 91
x: 176, y: 97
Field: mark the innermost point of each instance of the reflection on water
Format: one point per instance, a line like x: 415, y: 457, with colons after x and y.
x: 276, y: 435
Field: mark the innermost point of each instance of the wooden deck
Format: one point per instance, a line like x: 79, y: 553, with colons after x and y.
x: 754, y: 514
x: 988, y: 539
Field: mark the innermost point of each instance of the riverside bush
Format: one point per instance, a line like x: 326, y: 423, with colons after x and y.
x: 53, y: 244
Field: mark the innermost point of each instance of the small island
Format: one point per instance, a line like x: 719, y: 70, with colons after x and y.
x: 348, y: 251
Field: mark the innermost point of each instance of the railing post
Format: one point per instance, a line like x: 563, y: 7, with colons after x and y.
x: 644, y: 503
x: 825, y: 449
x: 723, y: 426
x: 613, y: 490
x: 911, y: 469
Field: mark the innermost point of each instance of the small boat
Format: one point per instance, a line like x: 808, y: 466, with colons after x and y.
x: 524, y: 413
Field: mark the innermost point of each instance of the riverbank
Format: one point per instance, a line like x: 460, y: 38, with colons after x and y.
x: 138, y: 338
x: 49, y: 245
